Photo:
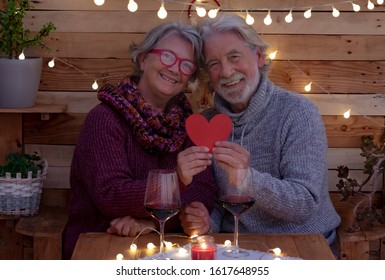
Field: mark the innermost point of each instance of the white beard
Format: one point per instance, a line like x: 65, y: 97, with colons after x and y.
x: 238, y: 95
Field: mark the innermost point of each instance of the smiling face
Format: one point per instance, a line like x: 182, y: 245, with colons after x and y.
x: 233, y: 68
x: 158, y: 82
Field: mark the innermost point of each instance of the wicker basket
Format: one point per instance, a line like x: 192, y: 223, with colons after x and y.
x: 21, y: 197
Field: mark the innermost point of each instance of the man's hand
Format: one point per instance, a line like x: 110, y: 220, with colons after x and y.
x: 195, y: 219
x: 233, y: 159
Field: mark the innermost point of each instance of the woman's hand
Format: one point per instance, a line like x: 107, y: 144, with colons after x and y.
x: 192, y: 161
x: 128, y: 226
x: 195, y: 219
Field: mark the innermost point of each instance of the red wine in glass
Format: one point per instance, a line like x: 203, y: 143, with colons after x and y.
x: 236, y: 196
x: 162, y: 212
x: 237, y: 204
x: 162, y: 199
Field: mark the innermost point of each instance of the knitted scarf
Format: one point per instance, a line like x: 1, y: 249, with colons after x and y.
x: 154, y: 130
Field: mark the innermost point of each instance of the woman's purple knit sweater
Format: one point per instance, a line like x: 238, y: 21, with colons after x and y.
x: 109, y: 173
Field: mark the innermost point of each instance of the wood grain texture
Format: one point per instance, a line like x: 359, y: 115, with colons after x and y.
x: 368, y: 23
x: 345, y: 77
x: 103, y: 246
x: 11, y: 134
x: 289, y: 46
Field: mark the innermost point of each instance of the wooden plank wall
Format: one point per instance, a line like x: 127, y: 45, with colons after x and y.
x: 344, y: 58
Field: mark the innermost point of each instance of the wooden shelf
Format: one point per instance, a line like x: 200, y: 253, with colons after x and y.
x: 11, y: 124
x: 38, y: 108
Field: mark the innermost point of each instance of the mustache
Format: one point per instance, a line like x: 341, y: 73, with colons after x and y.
x: 234, y: 78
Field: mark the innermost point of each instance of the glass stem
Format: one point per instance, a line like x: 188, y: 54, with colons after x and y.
x: 236, y: 218
x: 161, y: 227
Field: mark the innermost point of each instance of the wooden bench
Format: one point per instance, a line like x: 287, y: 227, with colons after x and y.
x: 356, y: 245
x: 46, y: 228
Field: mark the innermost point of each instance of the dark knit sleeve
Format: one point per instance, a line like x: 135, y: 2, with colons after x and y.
x: 100, y: 166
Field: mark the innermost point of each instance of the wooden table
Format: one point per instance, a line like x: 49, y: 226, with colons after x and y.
x: 103, y: 246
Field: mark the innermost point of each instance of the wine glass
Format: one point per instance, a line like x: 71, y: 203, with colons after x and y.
x: 236, y: 196
x: 162, y: 199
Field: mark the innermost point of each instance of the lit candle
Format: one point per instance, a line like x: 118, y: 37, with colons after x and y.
x: 203, y: 248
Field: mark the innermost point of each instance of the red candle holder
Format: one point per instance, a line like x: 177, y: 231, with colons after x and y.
x: 203, y: 248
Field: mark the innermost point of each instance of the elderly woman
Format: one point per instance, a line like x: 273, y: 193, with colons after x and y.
x: 138, y: 126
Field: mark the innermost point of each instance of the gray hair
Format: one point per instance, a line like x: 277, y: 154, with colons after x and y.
x: 236, y: 24
x: 184, y: 31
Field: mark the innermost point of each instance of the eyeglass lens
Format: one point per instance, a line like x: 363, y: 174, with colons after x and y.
x: 169, y: 59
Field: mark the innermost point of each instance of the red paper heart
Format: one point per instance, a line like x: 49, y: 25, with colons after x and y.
x: 204, y: 133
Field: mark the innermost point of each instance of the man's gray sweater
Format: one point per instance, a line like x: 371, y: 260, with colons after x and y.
x: 285, y: 135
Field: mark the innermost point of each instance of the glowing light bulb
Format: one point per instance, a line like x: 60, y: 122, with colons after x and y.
x: 119, y: 257
x: 133, y: 247
x: 99, y: 2
x: 51, y: 64
x: 356, y: 7
x: 162, y: 13
x: 201, y: 12
x: 132, y: 6
x: 213, y: 13
x: 308, y: 87
x: 380, y: 2
x: 273, y: 55
x: 289, y: 17
x: 267, y: 20
x: 95, y: 85
x: 277, y: 251
x: 335, y: 12
x: 249, y: 19
x: 168, y: 244
x: 182, y: 251
x: 22, y: 56
x: 150, y: 246
x: 347, y: 114
x: 227, y: 243
x: 307, y: 14
x: 370, y: 5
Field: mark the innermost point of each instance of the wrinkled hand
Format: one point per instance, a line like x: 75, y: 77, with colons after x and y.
x: 192, y: 161
x: 232, y: 158
x: 128, y: 226
x: 195, y: 219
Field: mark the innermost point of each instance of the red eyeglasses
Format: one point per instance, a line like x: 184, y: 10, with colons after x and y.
x: 169, y: 58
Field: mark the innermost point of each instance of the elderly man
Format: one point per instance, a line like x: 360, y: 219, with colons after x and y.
x: 278, y: 134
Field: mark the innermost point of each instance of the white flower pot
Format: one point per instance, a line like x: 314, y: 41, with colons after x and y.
x: 19, y: 82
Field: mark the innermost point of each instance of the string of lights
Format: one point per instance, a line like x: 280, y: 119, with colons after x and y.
x: 271, y: 56
x: 162, y: 13
x: 214, y: 7
x: 182, y: 251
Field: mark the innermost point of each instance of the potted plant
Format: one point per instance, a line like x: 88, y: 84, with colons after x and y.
x: 364, y: 212
x: 19, y: 76
x: 21, y: 182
